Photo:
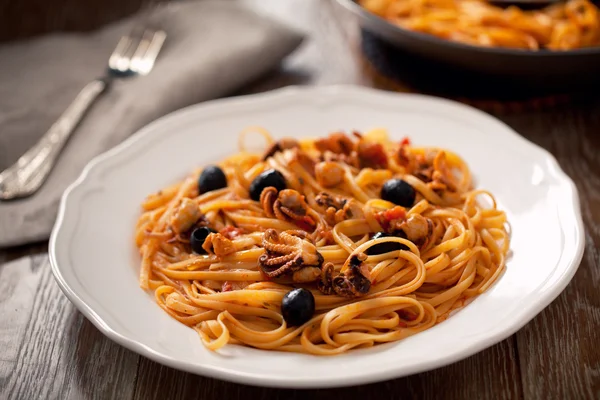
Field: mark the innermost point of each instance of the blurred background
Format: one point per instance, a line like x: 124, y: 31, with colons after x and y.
x: 411, y: 58
x: 23, y: 19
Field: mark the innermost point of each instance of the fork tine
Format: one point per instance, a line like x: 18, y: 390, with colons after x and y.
x: 117, y: 60
x: 144, y: 64
x: 140, y: 51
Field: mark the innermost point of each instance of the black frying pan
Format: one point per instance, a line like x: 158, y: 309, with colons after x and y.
x: 556, y: 71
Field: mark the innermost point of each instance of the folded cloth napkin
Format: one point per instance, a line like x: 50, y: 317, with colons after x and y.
x: 212, y: 48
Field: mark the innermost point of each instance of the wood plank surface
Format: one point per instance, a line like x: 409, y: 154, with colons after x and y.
x: 49, y: 350
x: 25, y: 18
x: 491, y: 374
x: 559, y: 350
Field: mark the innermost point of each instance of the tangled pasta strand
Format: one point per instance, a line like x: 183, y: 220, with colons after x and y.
x: 379, y: 272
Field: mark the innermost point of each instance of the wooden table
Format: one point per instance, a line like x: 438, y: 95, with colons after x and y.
x: 49, y: 350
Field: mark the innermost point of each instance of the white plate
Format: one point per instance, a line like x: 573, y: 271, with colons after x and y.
x: 96, y: 264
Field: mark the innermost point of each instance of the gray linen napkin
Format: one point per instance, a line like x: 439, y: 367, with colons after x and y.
x: 212, y: 48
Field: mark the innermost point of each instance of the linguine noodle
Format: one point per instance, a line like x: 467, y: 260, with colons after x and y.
x: 318, y: 234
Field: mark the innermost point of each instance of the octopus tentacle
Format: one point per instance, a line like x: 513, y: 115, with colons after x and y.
x: 267, y: 199
x: 325, y: 285
x: 338, y: 208
x: 291, y: 213
x: 297, y: 233
x: 278, y: 260
x: 287, y: 205
x: 290, y: 239
x: 279, y: 248
x: 281, y: 270
x: 288, y: 252
x: 278, y: 212
x: 353, y: 280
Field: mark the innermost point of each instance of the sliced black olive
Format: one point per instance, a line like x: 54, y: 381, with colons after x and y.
x: 211, y: 178
x: 198, y: 237
x: 271, y: 177
x: 387, y: 246
x: 298, y: 306
x: 398, y: 192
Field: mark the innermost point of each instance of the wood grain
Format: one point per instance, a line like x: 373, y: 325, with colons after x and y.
x: 25, y: 18
x: 49, y: 350
x: 558, y: 350
x: 491, y: 374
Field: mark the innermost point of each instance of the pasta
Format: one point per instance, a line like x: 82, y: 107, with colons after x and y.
x: 321, y: 246
x: 561, y: 26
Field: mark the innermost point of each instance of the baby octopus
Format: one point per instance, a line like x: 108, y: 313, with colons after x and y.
x: 297, y: 155
x: 290, y: 252
x: 442, y: 178
x: 353, y: 280
x: 338, y: 208
x: 356, y: 152
x: 431, y: 167
x: 280, y: 145
x: 337, y: 143
x: 289, y: 205
x: 416, y: 228
x: 416, y: 164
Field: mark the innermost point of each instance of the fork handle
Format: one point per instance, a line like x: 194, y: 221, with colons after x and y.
x: 30, y: 171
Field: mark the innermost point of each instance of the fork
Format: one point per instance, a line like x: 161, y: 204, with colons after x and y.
x: 135, y: 54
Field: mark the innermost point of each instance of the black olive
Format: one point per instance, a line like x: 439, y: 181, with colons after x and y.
x: 387, y: 246
x: 198, y: 237
x: 297, y: 307
x: 398, y: 192
x: 271, y: 177
x: 211, y: 178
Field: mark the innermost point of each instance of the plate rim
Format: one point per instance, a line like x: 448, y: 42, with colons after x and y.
x: 247, y: 378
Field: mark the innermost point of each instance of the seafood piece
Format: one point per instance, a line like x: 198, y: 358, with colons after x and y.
x: 300, y: 157
x: 353, y: 280
x: 431, y: 167
x: 371, y: 155
x: 442, y: 178
x: 357, y: 152
x: 219, y: 245
x: 290, y: 252
x: 186, y: 215
x: 338, y: 208
x: 280, y: 145
x: 337, y: 143
x: 390, y: 219
x: 287, y: 205
x: 417, y: 164
x: 329, y: 174
x: 416, y: 228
